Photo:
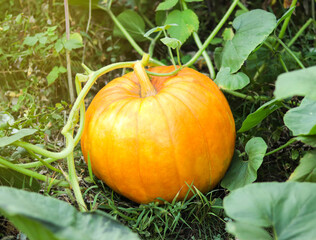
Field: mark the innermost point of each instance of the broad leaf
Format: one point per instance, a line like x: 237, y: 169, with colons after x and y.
x: 171, y: 42
x: 193, y: 0
x: 15, y: 179
x: 241, y: 173
x: 261, y: 113
x: 133, y: 23
x: 41, y: 217
x: 302, y: 120
x: 226, y: 80
x: 300, y: 82
x: 309, y: 140
x: 252, y: 28
x: 288, y: 208
x: 306, y: 170
x: 166, y: 5
x: 4, y: 141
x: 187, y: 23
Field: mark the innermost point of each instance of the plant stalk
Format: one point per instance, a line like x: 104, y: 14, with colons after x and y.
x: 213, y: 33
x: 68, y: 60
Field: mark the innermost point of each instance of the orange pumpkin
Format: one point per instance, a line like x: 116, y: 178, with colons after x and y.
x: 148, y: 139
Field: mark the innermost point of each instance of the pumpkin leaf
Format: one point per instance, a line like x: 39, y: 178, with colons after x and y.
x: 166, y: 5
x: 171, y: 42
x: 226, y: 80
x: 247, y: 232
x: 133, y: 23
x: 15, y: 179
x: 4, y: 141
x: 42, y: 217
x: 300, y: 82
x: 261, y: 113
x: 252, y: 28
x: 187, y: 23
x: 308, y: 139
x: 241, y: 173
x: 306, y: 170
x: 287, y: 208
x: 302, y: 120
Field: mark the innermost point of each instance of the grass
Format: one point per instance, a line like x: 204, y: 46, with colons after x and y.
x: 26, y: 95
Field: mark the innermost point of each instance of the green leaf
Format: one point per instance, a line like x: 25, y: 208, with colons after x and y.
x: 226, y: 80
x: 241, y: 173
x: 247, y: 232
x: 288, y: 208
x: 158, y: 29
x: 187, y: 23
x: 54, y: 74
x: 300, y: 82
x: 252, y: 28
x: 4, y: 141
x: 41, y: 217
x: 133, y: 23
x: 59, y: 45
x: 306, y: 170
x: 166, y: 5
x: 15, y: 179
x: 6, y: 119
x: 261, y: 113
x: 30, y: 41
x: 309, y: 140
x: 193, y: 0
x: 171, y: 42
x: 74, y: 42
x: 228, y: 34
x: 302, y: 120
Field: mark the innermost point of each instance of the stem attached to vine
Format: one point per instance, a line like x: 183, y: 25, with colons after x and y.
x: 281, y: 147
x: 204, y: 53
x: 213, y: 33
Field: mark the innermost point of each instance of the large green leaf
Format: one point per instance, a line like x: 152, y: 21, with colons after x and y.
x: 261, y: 113
x: 306, y: 170
x: 287, y: 209
x: 187, y: 23
x: 252, y: 28
x: 241, y: 173
x: 300, y: 82
x: 133, y: 23
x: 226, y: 80
x: 41, y: 217
x: 302, y: 120
x: 4, y: 141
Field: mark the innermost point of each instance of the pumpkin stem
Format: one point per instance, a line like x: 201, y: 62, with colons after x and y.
x: 146, y: 88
